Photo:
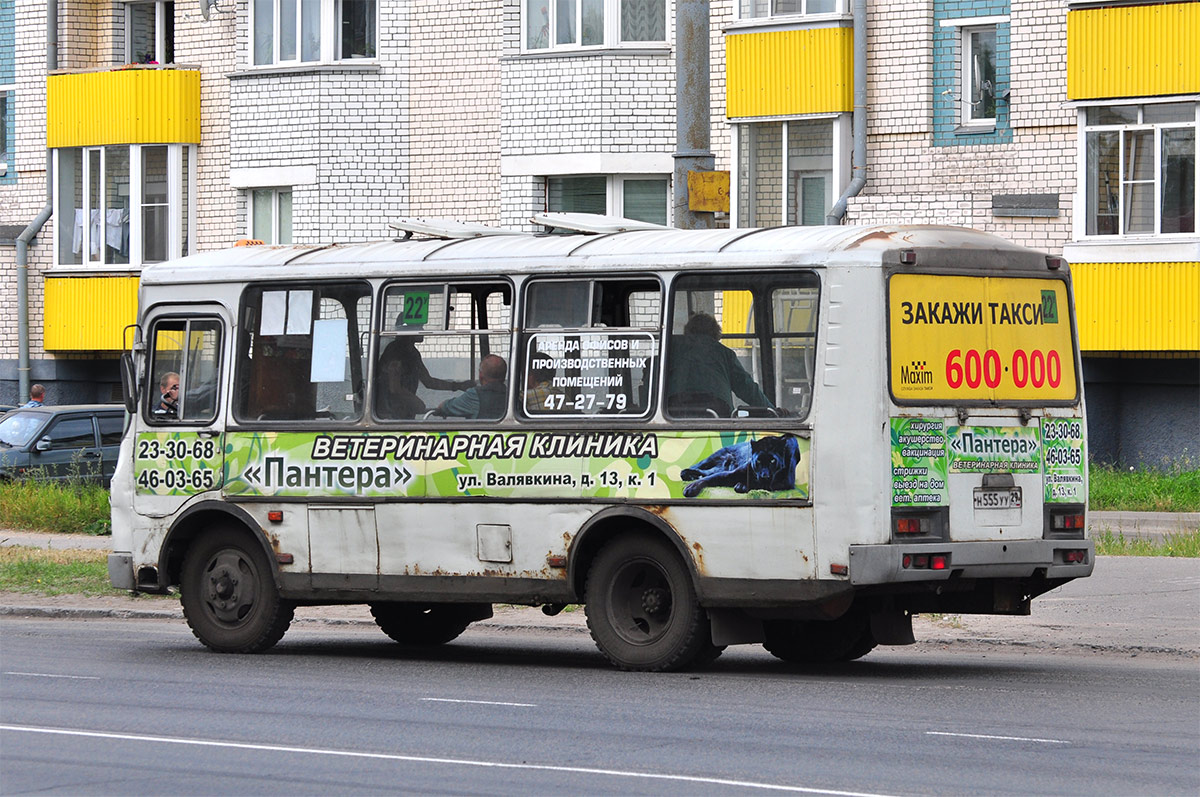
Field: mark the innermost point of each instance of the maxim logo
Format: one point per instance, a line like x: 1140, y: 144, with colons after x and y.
x: 916, y: 374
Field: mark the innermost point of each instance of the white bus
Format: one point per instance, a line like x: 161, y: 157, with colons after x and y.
x: 797, y: 437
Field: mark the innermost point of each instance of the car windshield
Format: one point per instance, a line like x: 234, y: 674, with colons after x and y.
x: 18, y: 428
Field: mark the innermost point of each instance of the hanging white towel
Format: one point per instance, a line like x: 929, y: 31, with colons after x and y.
x: 114, y: 229
x: 95, y: 231
x: 77, y: 235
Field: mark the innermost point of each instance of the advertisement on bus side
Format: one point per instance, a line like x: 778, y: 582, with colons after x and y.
x: 619, y: 465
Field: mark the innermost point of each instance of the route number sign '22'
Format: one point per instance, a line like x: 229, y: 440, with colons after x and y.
x: 980, y: 339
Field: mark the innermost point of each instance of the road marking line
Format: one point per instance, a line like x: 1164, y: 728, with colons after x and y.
x: 477, y: 702
x: 1000, y: 738
x: 48, y: 675
x: 465, y: 762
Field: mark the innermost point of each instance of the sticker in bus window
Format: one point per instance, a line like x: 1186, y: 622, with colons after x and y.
x: 299, y: 312
x: 274, y: 313
x: 331, y: 339
x: 416, y: 309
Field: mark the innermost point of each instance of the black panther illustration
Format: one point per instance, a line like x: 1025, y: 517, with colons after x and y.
x: 768, y: 463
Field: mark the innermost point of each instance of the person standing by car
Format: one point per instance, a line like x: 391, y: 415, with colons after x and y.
x: 168, y: 404
x: 37, y: 397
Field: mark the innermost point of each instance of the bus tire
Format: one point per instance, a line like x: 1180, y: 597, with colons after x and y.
x: 820, y: 641
x: 229, y: 595
x: 423, y: 624
x: 642, y: 608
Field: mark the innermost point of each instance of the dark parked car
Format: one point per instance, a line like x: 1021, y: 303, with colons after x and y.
x: 61, y: 442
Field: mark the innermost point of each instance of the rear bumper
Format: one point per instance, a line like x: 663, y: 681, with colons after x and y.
x: 884, y: 564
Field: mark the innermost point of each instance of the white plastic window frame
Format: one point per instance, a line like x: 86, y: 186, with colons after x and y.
x: 614, y: 187
x: 612, y: 30
x: 330, y: 40
x: 276, y: 228
x: 841, y: 7
x: 160, y: 29
x: 1081, y: 217
x: 176, y: 202
x: 8, y: 92
x: 969, y: 116
x: 964, y: 66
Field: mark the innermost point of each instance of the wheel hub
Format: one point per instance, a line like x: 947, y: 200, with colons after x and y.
x: 223, y: 588
x: 655, y: 601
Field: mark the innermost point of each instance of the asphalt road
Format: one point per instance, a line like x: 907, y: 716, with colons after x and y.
x: 136, y: 706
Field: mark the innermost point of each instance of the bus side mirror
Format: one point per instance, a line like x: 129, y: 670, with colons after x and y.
x: 129, y: 382
x: 43, y: 444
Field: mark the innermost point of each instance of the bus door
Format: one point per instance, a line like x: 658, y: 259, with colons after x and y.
x: 179, y: 447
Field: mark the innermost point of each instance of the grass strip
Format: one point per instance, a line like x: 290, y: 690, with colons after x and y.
x: 67, y: 507
x: 1143, y: 490
x: 1184, y: 544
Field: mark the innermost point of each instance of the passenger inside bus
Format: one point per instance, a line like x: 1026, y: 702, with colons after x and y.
x: 538, y: 384
x: 703, y: 375
x: 401, y: 370
x: 487, y: 399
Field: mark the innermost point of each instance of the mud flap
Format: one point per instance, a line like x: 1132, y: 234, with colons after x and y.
x: 892, y: 626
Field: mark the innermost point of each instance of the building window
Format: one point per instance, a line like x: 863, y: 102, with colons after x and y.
x: 971, y: 80
x: 271, y: 215
x: 569, y: 24
x: 124, y: 204
x: 770, y: 194
x: 1140, y: 169
x: 313, y: 31
x: 643, y: 198
x: 7, y: 86
x: 979, y: 75
x: 756, y: 9
x: 6, y: 129
x: 150, y: 32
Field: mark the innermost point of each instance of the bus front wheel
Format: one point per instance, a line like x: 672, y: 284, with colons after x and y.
x: 229, y: 596
x: 642, y: 608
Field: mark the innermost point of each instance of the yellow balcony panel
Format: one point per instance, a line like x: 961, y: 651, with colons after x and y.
x: 124, y: 106
x: 88, y: 313
x: 1133, y: 51
x: 789, y: 72
x: 1149, y: 307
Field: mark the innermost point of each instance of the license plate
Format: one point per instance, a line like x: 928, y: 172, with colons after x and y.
x: 1007, y: 498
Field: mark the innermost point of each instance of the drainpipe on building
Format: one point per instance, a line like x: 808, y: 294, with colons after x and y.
x: 35, y: 226
x: 858, y: 162
x: 692, y: 110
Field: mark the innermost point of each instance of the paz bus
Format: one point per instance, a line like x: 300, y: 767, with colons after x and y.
x: 797, y: 437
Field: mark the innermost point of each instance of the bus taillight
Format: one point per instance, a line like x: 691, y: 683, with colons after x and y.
x: 925, y: 561
x: 1059, y: 522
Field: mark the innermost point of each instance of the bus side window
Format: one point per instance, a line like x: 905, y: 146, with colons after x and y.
x: 742, y: 345
x: 438, y: 342
x: 590, y: 347
x: 300, y: 352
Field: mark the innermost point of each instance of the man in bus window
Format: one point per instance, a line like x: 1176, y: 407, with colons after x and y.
x: 487, y: 399
x: 705, y: 375
x: 168, y: 402
x: 401, y: 370
x: 538, y: 386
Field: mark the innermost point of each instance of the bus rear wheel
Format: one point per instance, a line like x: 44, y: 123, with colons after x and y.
x: 642, y: 608
x: 229, y: 596
x: 427, y: 624
x: 820, y: 641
